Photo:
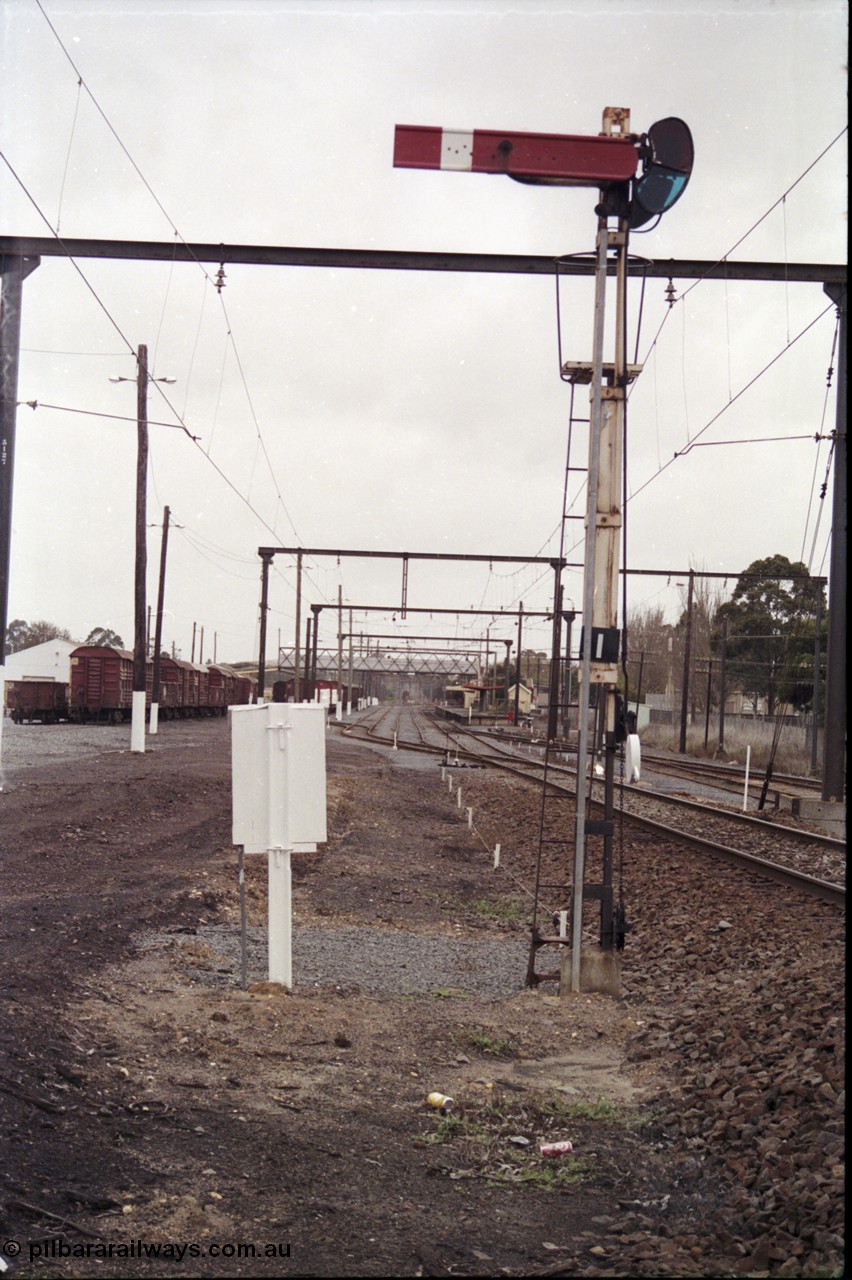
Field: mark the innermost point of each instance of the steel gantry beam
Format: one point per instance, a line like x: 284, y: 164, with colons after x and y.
x: 525, y: 264
x: 316, y: 610
x: 268, y: 553
x: 19, y: 255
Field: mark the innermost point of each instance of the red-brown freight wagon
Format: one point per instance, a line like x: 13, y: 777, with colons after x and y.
x: 227, y: 688
x: 102, y: 684
x: 245, y: 691
x: 179, y: 685
x: 39, y: 701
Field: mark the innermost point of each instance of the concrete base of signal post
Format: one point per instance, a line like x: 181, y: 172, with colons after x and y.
x: 600, y: 971
x: 828, y: 815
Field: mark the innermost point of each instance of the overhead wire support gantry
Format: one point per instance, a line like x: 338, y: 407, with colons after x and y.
x: 267, y: 553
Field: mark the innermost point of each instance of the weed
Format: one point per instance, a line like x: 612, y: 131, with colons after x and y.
x: 545, y: 1174
x: 448, y: 1127
x: 483, y: 1042
x: 505, y: 911
x: 601, y: 1111
x: 499, y: 1141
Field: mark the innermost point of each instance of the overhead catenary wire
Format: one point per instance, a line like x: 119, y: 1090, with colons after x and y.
x: 708, y: 274
x: 780, y: 201
x: 68, y: 152
x: 100, y: 413
x: 178, y: 236
x: 80, y: 83
x: 824, y: 489
x: 180, y: 424
x: 681, y: 453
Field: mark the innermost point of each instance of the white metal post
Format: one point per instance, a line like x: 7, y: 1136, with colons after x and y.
x: 280, y: 918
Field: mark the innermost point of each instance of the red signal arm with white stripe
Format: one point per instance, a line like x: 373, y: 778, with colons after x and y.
x: 598, y: 161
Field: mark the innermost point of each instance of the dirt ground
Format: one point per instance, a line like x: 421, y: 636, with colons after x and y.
x: 151, y: 1105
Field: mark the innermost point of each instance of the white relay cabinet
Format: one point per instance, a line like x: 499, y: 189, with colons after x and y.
x: 279, y: 802
x: 278, y: 776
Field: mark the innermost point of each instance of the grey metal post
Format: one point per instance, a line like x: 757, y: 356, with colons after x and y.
x: 158, y: 625
x: 518, y: 672
x: 339, y: 710
x: 639, y: 685
x: 140, y: 646
x: 815, y: 698
x: 568, y: 616
x: 555, y: 652
x: 13, y: 272
x: 723, y: 688
x: 588, y: 602
x: 266, y: 559
x: 297, y: 657
x: 707, y: 708
x: 834, y: 739
x: 316, y: 609
x: 307, y: 675
x: 687, y: 658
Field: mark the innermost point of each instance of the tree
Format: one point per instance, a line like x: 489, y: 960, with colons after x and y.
x: 771, y: 628
x: 649, y: 650
x: 104, y: 636
x: 23, y: 635
x: 659, y: 648
x: 16, y: 635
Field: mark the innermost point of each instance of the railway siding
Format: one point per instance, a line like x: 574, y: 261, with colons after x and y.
x: 785, y: 845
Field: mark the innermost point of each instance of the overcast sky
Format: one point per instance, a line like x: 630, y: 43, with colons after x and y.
x: 403, y: 411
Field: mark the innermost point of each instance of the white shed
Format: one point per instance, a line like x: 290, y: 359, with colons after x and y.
x: 526, y: 699
x: 48, y: 661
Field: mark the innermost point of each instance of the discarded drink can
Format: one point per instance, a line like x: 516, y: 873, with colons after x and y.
x: 555, y: 1148
x: 441, y: 1102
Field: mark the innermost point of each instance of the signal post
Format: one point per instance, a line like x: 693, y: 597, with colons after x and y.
x: 608, y: 161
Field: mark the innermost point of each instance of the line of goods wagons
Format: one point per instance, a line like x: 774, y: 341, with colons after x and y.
x: 101, y: 689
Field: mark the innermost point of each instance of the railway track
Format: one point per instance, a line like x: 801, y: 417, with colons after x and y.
x: 727, y: 777
x: 805, y: 860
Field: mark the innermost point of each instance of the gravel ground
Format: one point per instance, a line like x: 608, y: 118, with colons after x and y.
x: 732, y: 1014
x: 365, y: 960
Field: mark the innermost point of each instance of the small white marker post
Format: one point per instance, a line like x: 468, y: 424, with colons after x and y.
x: 496, y: 856
x: 469, y: 819
x: 745, y: 789
x: 458, y: 798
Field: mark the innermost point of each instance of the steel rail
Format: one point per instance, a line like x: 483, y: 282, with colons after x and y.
x: 786, y: 876
x: 724, y: 773
x: 742, y: 819
x: 757, y: 820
